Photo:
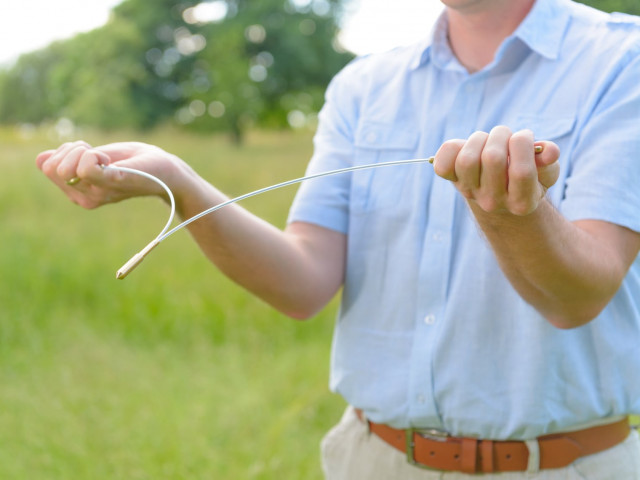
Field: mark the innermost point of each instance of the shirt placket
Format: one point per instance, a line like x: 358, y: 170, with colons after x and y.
x: 435, y: 263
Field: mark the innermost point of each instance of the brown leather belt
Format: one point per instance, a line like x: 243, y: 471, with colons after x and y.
x: 438, y: 451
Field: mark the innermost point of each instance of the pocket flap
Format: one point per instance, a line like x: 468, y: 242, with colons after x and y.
x: 546, y: 128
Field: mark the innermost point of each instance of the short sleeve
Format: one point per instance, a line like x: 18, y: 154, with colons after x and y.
x: 604, y: 183
x: 324, y: 201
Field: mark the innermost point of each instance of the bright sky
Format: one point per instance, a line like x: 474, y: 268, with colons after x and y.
x: 27, y: 25
x: 376, y: 25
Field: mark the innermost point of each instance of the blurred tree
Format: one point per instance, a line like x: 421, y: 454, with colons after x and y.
x: 210, y: 65
x: 267, y: 62
x: 219, y: 64
x: 94, y: 83
x: 23, y: 89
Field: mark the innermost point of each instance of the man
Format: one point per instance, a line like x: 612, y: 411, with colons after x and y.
x: 493, y: 302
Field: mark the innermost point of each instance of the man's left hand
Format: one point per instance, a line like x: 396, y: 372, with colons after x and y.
x: 500, y: 170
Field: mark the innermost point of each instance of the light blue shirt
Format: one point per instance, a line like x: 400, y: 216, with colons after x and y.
x: 430, y: 332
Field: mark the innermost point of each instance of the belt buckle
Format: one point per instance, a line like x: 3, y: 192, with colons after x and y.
x: 430, y: 433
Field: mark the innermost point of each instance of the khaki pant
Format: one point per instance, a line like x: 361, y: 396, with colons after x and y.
x: 349, y: 452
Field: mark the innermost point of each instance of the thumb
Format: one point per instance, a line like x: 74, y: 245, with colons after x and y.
x: 547, y: 163
x: 550, y: 153
x: 90, y: 165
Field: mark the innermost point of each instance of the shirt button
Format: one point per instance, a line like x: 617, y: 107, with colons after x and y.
x: 421, y: 399
x: 430, y: 319
x: 371, y: 137
x: 438, y: 237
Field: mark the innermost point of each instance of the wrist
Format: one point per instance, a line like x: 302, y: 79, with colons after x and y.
x: 192, y: 193
x: 179, y: 177
x: 503, y: 218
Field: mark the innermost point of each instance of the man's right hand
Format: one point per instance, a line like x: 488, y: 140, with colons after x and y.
x: 76, y: 168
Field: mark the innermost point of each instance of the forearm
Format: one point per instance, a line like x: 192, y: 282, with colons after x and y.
x: 296, y: 271
x: 566, y: 272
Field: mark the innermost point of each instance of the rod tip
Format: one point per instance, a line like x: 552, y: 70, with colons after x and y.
x: 134, y: 261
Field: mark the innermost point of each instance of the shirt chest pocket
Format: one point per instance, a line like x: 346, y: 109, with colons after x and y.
x: 557, y: 129
x: 560, y: 130
x: 382, y: 189
x: 553, y: 128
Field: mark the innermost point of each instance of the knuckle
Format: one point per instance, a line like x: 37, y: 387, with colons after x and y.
x: 77, y: 149
x: 479, y: 134
x: 83, y: 170
x: 450, y: 148
x: 522, y: 203
x: 488, y: 204
x: 522, y: 173
x: 501, y: 130
x: 466, y: 159
x: 54, y: 159
x: 466, y: 193
x: 521, y: 207
x: 49, y: 168
x: 87, y: 155
x: 63, y: 171
x: 493, y: 157
x: 79, y: 144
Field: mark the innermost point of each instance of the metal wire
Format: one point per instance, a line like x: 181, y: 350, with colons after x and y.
x: 134, y: 261
x: 162, y: 236
x: 159, y: 182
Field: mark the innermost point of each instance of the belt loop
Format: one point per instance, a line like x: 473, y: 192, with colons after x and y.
x: 533, y: 464
x: 360, y: 414
x: 468, y: 452
x: 486, y: 456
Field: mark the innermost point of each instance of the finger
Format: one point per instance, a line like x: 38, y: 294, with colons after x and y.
x: 48, y: 163
x: 445, y: 159
x: 119, y: 151
x: 550, y: 153
x: 548, y: 175
x: 68, y: 164
x: 43, y: 157
x: 65, y: 148
x: 467, y: 166
x: 548, y: 163
x: 523, y: 187
x: 90, y: 173
x: 495, y: 160
x: 89, y: 166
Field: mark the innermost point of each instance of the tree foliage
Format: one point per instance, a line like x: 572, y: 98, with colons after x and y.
x: 221, y: 64
x: 626, y: 6
x: 210, y: 65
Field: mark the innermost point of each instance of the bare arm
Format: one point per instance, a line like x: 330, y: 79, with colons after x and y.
x: 297, y: 270
x: 568, y: 271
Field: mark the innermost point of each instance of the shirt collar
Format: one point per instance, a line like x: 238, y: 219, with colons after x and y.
x: 436, y: 39
x: 542, y: 30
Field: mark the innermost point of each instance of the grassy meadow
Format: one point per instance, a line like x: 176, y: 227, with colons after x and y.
x: 172, y: 373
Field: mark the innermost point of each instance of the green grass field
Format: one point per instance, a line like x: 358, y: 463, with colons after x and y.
x: 173, y: 373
